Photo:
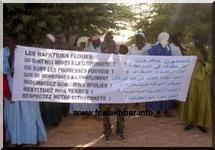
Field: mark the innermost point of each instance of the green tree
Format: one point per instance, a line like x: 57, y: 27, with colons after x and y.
x: 32, y: 21
x: 190, y: 20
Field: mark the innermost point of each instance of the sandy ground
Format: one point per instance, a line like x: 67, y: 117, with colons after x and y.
x: 140, y: 131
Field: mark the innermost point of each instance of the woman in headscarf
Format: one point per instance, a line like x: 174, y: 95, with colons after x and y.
x: 162, y: 48
x: 82, y: 44
x: 197, y: 110
x: 108, y: 45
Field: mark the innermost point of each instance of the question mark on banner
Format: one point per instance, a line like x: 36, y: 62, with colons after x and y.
x: 112, y: 71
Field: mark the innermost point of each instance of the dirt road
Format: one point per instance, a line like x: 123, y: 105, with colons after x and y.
x: 140, y: 131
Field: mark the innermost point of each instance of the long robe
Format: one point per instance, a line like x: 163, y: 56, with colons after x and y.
x: 51, y: 113
x: 160, y: 105
x: 23, y: 121
x: 198, y: 107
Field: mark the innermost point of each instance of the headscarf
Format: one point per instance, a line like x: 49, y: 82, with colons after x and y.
x: 141, y: 34
x: 50, y: 37
x: 108, y: 45
x: 163, y: 38
x: 82, y: 39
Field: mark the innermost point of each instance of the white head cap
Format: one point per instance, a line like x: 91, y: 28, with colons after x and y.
x: 50, y: 37
x: 82, y: 39
x: 163, y: 38
x: 141, y: 34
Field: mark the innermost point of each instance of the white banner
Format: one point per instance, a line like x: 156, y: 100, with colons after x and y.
x: 86, y: 77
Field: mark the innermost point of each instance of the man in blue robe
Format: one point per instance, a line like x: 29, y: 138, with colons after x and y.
x: 161, y: 48
x: 22, y: 119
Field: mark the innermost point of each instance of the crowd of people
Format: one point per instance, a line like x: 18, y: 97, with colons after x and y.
x: 25, y: 122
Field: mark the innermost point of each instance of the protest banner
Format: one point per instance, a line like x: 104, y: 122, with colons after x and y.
x: 85, y: 77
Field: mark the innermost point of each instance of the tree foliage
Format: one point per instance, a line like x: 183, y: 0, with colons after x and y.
x: 188, y: 20
x: 32, y: 21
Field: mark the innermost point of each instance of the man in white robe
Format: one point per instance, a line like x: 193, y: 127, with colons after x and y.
x: 94, y: 45
x: 139, y: 47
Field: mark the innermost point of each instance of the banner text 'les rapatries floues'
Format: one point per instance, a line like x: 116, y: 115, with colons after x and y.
x: 85, y: 77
